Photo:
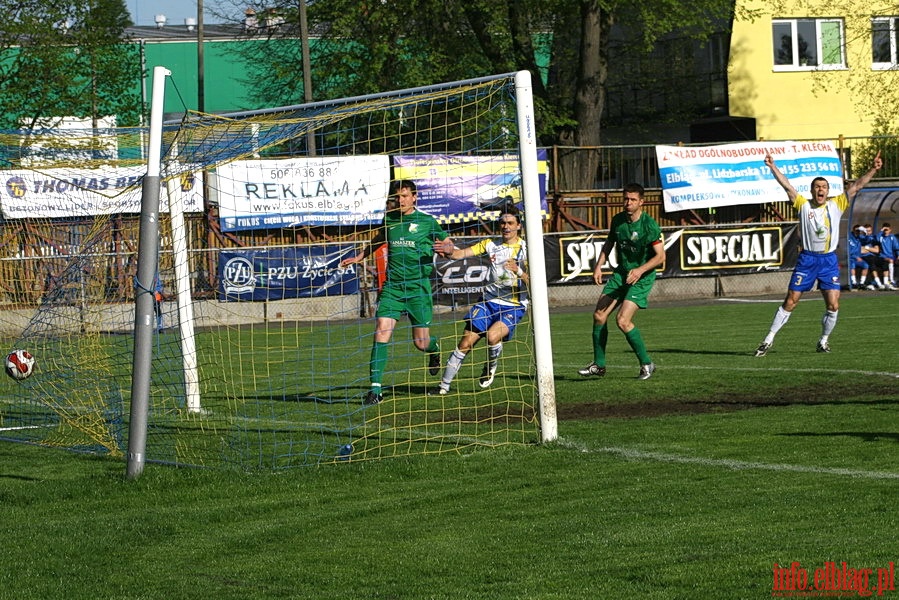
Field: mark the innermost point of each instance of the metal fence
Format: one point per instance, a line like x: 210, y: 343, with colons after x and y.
x: 34, y: 254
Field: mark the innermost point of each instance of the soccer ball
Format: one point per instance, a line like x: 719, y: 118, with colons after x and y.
x: 19, y: 364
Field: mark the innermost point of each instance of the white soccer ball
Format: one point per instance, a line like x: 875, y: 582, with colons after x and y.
x: 19, y: 364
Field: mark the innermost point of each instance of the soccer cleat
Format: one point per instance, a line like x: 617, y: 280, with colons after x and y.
x: 434, y: 362
x: 372, y: 398
x: 442, y: 391
x: 592, y: 369
x: 487, y: 375
x: 646, y: 371
x: 763, y: 348
x: 823, y: 347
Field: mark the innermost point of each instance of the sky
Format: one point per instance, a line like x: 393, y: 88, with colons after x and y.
x: 143, y: 12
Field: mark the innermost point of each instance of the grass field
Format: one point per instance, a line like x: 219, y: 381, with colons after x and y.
x: 693, y: 484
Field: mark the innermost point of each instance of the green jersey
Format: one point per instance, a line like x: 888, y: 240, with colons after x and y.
x: 410, y: 240
x: 634, y: 241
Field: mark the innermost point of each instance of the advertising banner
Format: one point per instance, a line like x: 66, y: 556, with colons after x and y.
x: 57, y: 193
x: 461, y: 281
x: 571, y: 258
x: 695, y: 177
x: 459, y: 188
x: 327, y: 190
x: 279, y: 273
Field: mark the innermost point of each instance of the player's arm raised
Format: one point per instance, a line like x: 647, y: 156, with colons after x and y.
x: 781, y: 178
x: 862, y: 181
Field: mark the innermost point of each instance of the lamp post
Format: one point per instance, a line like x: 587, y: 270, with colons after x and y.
x: 307, y: 75
x: 201, y: 86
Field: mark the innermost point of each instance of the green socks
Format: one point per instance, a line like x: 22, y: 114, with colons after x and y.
x: 600, y: 338
x: 634, y: 338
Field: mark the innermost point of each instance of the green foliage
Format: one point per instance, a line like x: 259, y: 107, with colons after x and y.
x: 66, y: 59
x: 369, y: 47
x: 884, y: 139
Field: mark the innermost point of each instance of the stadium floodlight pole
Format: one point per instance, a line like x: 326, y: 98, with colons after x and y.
x: 533, y: 224
x: 147, y: 267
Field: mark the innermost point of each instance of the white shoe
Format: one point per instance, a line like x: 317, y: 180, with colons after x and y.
x: 646, y: 371
x: 763, y: 348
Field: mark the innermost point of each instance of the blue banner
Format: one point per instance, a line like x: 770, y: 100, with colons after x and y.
x: 279, y: 273
x: 456, y: 188
x: 695, y: 177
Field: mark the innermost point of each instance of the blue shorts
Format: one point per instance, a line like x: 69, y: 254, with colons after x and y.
x: 812, y: 267
x: 484, y: 314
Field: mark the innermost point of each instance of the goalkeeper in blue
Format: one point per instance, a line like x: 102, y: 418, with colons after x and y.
x: 504, y: 302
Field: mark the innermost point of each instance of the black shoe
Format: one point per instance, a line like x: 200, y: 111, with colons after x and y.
x: 823, y: 347
x: 372, y: 398
x: 487, y: 375
x: 434, y: 362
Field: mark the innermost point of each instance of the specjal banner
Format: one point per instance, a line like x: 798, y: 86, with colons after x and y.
x: 689, y: 251
x: 279, y: 273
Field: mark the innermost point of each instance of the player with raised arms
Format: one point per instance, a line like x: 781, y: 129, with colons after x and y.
x: 819, y: 227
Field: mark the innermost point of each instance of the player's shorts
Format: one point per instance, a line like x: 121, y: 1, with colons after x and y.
x: 484, y: 314
x: 812, y: 267
x: 638, y: 292
x: 407, y: 298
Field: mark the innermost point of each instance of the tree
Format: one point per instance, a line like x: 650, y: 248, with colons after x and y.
x: 67, y: 58
x: 377, y: 45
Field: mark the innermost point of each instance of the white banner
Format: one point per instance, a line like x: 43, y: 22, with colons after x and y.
x: 55, y: 193
x: 327, y: 190
x: 724, y: 175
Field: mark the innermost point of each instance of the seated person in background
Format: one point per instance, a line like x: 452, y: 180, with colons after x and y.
x: 889, y: 250
x: 856, y: 264
x: 870, y: 253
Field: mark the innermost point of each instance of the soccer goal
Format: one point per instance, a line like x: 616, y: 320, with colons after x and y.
x: 259, y: 343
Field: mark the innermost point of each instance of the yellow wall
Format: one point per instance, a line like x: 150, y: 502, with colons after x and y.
x: 806, y: 104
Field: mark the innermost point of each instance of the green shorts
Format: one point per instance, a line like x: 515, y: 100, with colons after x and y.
x: 411, y: 298
x: 638, y: 293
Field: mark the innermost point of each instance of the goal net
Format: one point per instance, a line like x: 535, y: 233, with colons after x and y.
x: 262, y: 341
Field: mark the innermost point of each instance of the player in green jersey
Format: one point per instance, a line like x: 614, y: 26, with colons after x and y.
x: 638, y: 241
x: 410, y: 235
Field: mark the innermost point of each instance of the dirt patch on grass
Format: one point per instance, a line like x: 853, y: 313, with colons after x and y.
x: 886, y: 393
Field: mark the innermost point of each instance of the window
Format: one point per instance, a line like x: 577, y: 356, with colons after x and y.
x: 884, y: 43
x: 808, y: 44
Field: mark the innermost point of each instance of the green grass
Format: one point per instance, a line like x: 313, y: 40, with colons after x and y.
x: 690, y: 485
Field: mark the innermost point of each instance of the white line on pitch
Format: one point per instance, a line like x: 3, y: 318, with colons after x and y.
x: 737, y: 465
x: 26, y: 427
x: 790, y: 369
